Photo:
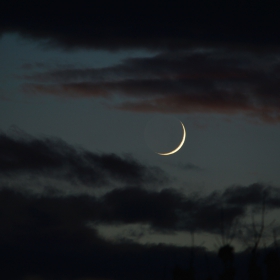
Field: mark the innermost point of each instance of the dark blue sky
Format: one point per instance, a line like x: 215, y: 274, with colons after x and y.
x: 78, y: 86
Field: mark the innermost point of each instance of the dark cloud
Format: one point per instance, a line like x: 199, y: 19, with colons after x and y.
x: 225, y: 81
x: 171, y: 210
x: 135, y: 205
x: 49, y: 235
x: 165, y: 210
x: 55, y: 235
x: 114, y: 25
x: 254, y: 195
x: 56, y: 159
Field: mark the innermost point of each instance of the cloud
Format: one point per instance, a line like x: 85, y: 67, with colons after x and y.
x: 49, y: 236
x: 111, y: 25
x: 225, y: 81
x: 163, y: 211
x: 170, y: 210
x: 53, y: 158
x: 254, y: 195
x: 132, y: 203
x: 55, y: 235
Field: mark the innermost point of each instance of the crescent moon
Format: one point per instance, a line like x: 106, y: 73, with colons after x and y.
x: 180, y: 145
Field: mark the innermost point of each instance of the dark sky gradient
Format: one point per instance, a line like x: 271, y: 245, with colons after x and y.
x: 113, y: 25
x: 82, y: 196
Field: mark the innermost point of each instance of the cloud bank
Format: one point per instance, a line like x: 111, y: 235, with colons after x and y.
x: 222, y: 81
x: 132, y: 202
x: 61, y: 229
x: 221, y: 60
x: 53, y: 230
x: 25, y: 155
x: 156, y: 26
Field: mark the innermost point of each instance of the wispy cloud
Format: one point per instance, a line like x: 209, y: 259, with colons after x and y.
x: 54, y: 158
x: 223, y: 81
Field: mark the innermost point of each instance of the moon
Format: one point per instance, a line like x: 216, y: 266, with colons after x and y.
x: 180, y: 145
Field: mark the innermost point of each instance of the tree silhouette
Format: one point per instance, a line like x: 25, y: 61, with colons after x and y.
x: 272, y: 262
x: 226, y: 251
x: 226, y: 255
x: 255, y: 272
x: 208, y: 267
x: 183, y: 274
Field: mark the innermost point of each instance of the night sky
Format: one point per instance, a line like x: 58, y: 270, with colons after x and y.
x: 89, y: 92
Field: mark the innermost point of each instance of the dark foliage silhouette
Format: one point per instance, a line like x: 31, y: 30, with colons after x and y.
x: 272, y: 262
x: 183, y: 274
x: 226, y: 254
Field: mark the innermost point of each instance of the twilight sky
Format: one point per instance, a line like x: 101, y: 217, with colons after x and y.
x: 83, y: 193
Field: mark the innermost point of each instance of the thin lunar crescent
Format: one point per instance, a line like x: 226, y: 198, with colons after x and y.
x: 179, y: 147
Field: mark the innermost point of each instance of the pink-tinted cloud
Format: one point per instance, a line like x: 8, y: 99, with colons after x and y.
x: 225, y: 81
